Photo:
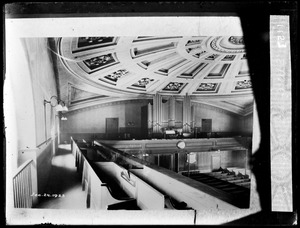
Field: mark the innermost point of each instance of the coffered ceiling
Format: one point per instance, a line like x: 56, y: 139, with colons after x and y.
x: 210, y: 69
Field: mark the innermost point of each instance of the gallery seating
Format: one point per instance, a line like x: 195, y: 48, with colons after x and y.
x: 110, y: 186
x: 238, y: 185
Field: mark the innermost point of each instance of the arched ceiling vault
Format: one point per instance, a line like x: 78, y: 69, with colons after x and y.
x: 210, y: 69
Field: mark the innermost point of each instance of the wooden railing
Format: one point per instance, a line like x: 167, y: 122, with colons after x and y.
x: 185, y: 192
x: 167, y: 146
x: 23, y: 186
x: 108, y: 185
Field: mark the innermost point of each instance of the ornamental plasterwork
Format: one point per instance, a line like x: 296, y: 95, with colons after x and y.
x: 116, y: 75
x: 215, y: 46
x: 245, y: 84
x: 143, y: 82
x: 104, y: 61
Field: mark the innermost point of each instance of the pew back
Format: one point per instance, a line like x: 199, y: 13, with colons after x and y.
x: 148, y: 198
x: 99, y: 192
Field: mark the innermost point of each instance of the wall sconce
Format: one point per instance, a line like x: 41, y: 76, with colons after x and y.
x: 58, y: 104
x: 64, y: 118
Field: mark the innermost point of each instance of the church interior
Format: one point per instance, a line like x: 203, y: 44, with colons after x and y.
x: 130, y: 122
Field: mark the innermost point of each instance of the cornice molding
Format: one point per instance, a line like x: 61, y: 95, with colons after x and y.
x: 216, y: 108
x: 105, y: 102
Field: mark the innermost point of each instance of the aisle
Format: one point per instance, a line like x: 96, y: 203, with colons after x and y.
x: 65, y: 182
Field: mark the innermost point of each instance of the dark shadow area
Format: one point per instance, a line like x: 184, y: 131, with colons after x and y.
x: 256, y: 38
x: 256, y: 29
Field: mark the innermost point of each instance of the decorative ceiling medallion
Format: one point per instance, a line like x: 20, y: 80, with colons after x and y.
x: 237, y: 40
x: 98, y: 63
x: 174, y: 87
x: 242, y: 85
x: 207, y: 88
x: 221, y: 44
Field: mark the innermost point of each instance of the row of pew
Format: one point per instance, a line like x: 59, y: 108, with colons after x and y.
x: 232, y: 176
x: 228, y: 181
x: 100, y: 193
x: 109, y: 186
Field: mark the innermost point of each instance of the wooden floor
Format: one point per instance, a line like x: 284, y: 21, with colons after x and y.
x: 63, y: 180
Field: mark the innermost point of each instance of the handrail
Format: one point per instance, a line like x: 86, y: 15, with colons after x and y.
x: 45, y: 142
x: 134, y: 161
x: 23, y: 166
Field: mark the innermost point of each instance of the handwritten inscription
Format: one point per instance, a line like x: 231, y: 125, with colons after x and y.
x: 52, y: 195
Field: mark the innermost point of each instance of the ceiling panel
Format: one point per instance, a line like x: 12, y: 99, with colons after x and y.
x: 204, y: 67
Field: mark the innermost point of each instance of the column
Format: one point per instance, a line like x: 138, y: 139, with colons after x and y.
x: 150, y: 116
x: 172, y: 112
x: 186, y: 114
x: 150, y: 120
x: 193, y: 119
x: 157, y: 103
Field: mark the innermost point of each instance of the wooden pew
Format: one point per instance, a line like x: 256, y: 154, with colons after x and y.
x: 147, y: 197
x: 226, y: 181
x: 98, y: 192
x: 109, y: 186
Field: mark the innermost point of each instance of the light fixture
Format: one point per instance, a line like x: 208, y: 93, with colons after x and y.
x: 64, y: 118
x: 58, y: 104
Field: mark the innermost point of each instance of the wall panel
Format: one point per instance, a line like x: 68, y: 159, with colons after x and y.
x: 221, y: 121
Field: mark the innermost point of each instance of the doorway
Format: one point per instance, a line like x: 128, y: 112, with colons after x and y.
x: 112, y: 128
x: 206, y: 125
